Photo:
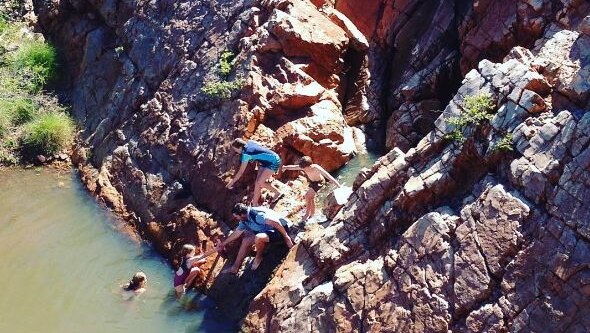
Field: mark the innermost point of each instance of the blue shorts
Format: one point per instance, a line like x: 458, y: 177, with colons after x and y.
x: 274, y: 235
x: 271, y: 161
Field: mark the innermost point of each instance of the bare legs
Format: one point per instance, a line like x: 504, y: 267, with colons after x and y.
x: 309, y: 204
x: 245, y: 246
x: 259, y: 240
x: 260, y: 243
x: 195, y: 271
x: 263, y: 175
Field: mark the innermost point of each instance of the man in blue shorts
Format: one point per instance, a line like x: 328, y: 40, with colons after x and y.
x: 259, y: 225
x: 269, y: 165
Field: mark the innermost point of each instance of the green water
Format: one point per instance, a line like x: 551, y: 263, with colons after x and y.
x: 62, y: 261
x: 347, y: 174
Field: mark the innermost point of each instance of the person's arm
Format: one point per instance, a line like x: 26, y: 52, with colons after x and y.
x: 238, y: 175
x: 328, y: 175
x: 233, y: 236
x: 293, y: 167
x: 282, y: 230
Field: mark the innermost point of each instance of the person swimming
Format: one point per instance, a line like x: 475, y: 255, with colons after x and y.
x: 137, y: 285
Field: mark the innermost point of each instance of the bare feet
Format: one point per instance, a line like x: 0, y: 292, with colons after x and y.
x: 256, y: 263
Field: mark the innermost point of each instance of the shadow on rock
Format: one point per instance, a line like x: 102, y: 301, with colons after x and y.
x: 233, y: 293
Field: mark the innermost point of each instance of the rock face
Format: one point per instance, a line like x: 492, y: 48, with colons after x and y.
x: 485, y: 234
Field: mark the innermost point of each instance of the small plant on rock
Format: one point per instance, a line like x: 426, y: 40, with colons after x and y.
x: 504, y: 144
x: 476, y: 110
x: 222, y: 89
x: 226, y: 63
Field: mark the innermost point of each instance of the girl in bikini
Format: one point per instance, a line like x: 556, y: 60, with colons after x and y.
x: 315, y: 174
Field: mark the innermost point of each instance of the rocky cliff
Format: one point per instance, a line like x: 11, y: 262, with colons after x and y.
x: 464, y: 225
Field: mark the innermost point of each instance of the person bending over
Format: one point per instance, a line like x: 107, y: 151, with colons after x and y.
x: 269, y: 165
x: 258, y: 226
x: 315, y: 174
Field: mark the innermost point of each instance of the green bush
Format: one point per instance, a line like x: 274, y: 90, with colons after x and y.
x: 19, y: 109
x: 222, y: 89
x: 10, y: 85
x: 7, y: 159
x: 476, y: 110
x: 48, y: 134
x: 4, y: 123
x: 3, y: 24
x: 36, y: 61
x: 505, y: 144
x: 226, y: 63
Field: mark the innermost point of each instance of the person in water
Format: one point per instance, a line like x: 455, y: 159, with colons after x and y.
x: 137, y: 285
x: 258, y: 226
x: 188, y: 269
x: 315, y: 174
x: 269, y: 161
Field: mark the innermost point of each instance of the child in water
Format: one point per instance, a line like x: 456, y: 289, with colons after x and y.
x: 188, y: 269
x: 136, y: 286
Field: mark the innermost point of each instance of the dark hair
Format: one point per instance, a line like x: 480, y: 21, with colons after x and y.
x: 239, y: 209
x: 238, y: 143
x: 135, y: 281
x: 305, y: 161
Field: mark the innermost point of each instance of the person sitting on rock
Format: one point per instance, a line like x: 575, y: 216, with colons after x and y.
x: 188, y: 269
x: 269, y: 162
x: 258, y: 226
x: 315, y: 174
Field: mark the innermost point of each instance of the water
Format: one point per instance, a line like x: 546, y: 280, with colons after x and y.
x: 62, y: 261
x: 347, y: 174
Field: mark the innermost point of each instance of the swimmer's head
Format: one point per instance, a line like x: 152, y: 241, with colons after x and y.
x: 138, y: 281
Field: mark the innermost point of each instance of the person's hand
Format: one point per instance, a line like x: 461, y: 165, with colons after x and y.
x: 230, y: 185
x: 289, y: 242
x: 219, y: 246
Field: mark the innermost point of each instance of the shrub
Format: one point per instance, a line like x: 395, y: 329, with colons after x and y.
x: 504, y: 144
x: 10, y: 85
x: 48, y: 134
x: 3, y: 24
x: 7, y: 159
x: 226, y: 63
x: 222, y: 89
x: 4, y: 123
x: 476, y: 110
x: 36, y: 61
x: 20, y: 110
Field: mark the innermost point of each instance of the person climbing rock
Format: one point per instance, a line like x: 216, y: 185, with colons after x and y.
x: 188, y: 269
x: 315, y: 174
x: 258, y: 226
x: 269, y: 165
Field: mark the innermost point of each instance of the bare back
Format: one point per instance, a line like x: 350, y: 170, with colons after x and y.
x: 314, y: 173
